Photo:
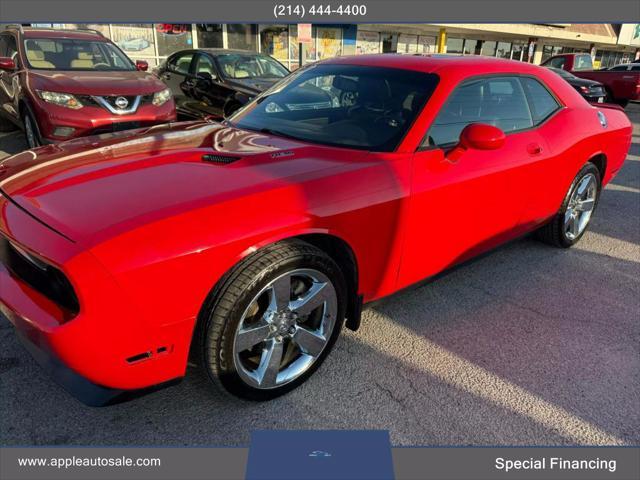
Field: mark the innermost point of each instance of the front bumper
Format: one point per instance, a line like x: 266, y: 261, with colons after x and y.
x: 90, y: 351
x: 87, y: 392
x: 92, y: 120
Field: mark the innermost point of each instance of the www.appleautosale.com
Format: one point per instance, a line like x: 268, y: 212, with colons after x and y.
x: 555, y: 463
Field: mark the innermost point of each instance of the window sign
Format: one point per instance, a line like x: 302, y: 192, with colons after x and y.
x: 134, y: 39
x: 367, y: 42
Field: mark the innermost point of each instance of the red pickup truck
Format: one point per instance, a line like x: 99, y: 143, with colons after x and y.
x: 621, y: 86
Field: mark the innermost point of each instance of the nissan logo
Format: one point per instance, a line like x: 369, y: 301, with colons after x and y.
x: 122, y: 102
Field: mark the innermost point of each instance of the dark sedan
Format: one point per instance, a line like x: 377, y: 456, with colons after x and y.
x: 216, y: 82
x: 591, y: 90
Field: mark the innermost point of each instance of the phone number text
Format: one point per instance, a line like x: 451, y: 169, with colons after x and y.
x: 300, y: 11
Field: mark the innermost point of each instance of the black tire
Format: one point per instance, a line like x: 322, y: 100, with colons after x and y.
x: 553, y: 232
x: 29, y: 122
x: 215, y: 335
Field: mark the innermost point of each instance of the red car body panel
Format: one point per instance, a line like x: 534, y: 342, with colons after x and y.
x: 143, y: 227
x: 20, y: 87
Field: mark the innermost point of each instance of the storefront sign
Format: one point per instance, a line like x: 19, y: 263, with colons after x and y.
x: 304, y: 33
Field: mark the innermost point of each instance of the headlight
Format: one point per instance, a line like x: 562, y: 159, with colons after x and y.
x: 62, y: 99
x: 161, y: 97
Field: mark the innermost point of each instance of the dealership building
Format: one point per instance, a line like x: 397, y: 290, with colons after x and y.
x: 609, y: 44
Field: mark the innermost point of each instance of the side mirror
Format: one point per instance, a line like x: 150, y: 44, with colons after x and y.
x: 205, y: 77
x: 142, y: 66
x: 477, y: 136
x: 7, y: 63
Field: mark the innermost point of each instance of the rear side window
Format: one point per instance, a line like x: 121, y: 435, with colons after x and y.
x: 542, y: 103
x: 498, y: 101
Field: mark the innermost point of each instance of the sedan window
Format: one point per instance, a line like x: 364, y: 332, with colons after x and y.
x: 497, y: 101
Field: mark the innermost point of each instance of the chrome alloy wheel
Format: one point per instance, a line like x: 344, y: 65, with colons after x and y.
x: 285, y: 328
x: 580, y: 206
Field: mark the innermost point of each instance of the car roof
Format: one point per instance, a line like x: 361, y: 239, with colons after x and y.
x: 439, y: 63
x: 60, y: 33
x: 223, y: 51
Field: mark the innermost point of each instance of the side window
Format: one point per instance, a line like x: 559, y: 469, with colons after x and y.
x: 8, y: 46
x: 635, y: 68
x: 582, y: 62
x: 498, y: 101
x: 205, y: 65
x: 180, y: 63
x: 3, y: 45
x: 557, y: 62
x: 541, y: 101
x: 618, y: 68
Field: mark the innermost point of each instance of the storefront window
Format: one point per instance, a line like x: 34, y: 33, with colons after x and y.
x: 504, y: 50
x: 407, y: 43
x: 367, y: 42
x: 209, y: 35
x: 135, y: 39
x: 329, y: 42
x: 488, y: 48
x: 173, y: 37
x: 426, y: 44
x: 389, y: 42
x: 454, y: 45
x: 241, y: 36
x: 517, y: 51
x: 471, y: 47
x: 274, y: 41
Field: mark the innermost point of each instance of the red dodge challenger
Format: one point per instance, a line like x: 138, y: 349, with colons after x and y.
x: 246, y: 245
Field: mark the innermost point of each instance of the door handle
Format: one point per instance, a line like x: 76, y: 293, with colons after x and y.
x: 534, y: 149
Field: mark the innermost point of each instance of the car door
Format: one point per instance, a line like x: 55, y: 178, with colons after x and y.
x: 174, y: 75
x: 9, y: 79
x: 209, y: 88
x: 462, y: 207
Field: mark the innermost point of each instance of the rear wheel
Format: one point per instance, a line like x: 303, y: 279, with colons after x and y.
x: 570, y: 223
x: 273, y: 321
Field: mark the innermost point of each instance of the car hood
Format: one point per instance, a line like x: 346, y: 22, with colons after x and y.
x: 90, y: 190
x: 255, y: 85
x: 95, y: 82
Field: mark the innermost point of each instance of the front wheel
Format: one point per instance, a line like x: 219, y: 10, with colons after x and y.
x: 273, y: 321
x: 570, y: 223
x: 31, y: 130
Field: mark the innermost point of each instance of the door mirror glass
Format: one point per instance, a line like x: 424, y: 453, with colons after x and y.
x: 7, y: 63
x: 142, y: 66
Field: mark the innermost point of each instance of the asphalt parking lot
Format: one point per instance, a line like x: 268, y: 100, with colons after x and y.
x: 529, y: 345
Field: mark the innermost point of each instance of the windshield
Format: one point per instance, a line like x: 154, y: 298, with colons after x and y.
x: 240, y: 65
x: 72, y: 54
x: 369, y: 108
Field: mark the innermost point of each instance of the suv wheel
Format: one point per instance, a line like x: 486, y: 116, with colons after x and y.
x: 272, y: 321
x: 31, y: 130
